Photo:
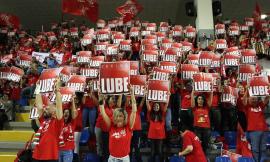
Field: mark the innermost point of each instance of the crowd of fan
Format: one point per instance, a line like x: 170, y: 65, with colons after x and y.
x: 106, y: 114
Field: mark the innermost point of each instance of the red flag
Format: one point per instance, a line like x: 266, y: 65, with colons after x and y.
x: 257, y: 17
x: 87, y: 8
x: 242, y: 145
x: 9, y: 20
x: 129, y: 10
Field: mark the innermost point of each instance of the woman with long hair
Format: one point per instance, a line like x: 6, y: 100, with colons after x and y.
x: 156, y: 116
x: 120, y: 130
x: 66, y: 138
x: 201, y: 123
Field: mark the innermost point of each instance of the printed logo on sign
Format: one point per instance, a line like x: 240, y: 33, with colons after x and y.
x: 47, y: 85
x: 101, y: 47
x: 194, y: 62
x: 215, y: 64
x: 205, y: 62
x: 64, y: 77
x: 225, y: 97
x: 65, y: 97
x: 114, y: 85
x: 160, y: 75
x: 188, y: 74
x: 150, y: 58
x: 83, y: 59
x: 245, y: 76
x: 24, y: 63
x: 220, y: 31
x: 157, y: 95
x: 14, y: 77
x: 138, y: 90
x: 125, y: 47
x: 93, y: 73
x: 202, y: 86
x: 258, y: 91
x: 186, y: 48
x: 76, y: 86
x: 231, y: 62
x: 172, y: 58
x: 95, y: 63
x: 248, y: 59
x: 133, y: 72
x: 171, y: 68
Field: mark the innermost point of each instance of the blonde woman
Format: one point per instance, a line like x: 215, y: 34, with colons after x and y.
x: 120, y: 130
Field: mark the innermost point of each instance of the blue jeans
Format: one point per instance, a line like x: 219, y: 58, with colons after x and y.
x: 168, y: 119
x: 90, y: 114
x: 258, y: 144
x: 66, y: 156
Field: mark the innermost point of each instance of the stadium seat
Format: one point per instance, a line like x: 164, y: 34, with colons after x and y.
x: 91, y: 157
x: 223, y: 159
x: 245, y: 159
x: 230, y: 137
x: 176, y: 158
x: 84, y: 137
x: 265, y: 159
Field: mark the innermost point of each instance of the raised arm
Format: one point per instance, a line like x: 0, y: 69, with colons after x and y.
x: 119, y: 101
x: 210, y: 100
x: 192, y: 99
x: 38, y: 100
x: 134, y: 109
x: 73, y: 108
x: 148, y: 106
x: 59, y: 109
x: 103, y: 112
x: 245, y: 97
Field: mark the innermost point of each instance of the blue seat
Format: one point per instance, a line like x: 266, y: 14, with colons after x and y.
x: 230, y: 137
x: 91, y: 157
x: 265, y: 159
x: 176, y: 158
x: 245, y: 159
x: 223, y: 159
x: 84, y: 137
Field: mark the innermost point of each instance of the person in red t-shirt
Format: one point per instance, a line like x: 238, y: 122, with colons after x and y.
x: 191, y: 149
x: 46, y: 140
x: 156, y: 133
x: 256, y: 124
x: 201, y: 121
x: 136, y: 136
x: 66, y: 144
x: 120, y: 131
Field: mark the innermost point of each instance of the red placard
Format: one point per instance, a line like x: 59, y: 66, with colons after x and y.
x: 177, y: 32
x: 248, y: 56
x: 220, y: 29
x: 151, y: 27
x: 205, y: 58
x: 84, y: 56
x: 96, y: 61
x: 190, y: 32
x: 87, y: 39
x: 125, y: 45
x: 203, y: 82
x: 150, y: 56
x: 234, y: 30
x: 134, y: 32
x: 103, y: 34
x: 101, y: 46
x: 114, y: 77
x: 216, y: 61
x: 66, y: 93
x: 134, y: 68
x: 229, y: 95
x: 170, y: 55
x: 89, y: 72
x: 25, y: 60
x: 258, y: 86
x: 187, y: 71
x: 160, y: 74
x: 4, y: 71
x: 216, y: 77
x: 47, y: 79
x: 246, y: 72
x: 187, y: 46
x: 193, y: 59
x: 249, y: 21
x: 112, y: 49
x: 6, y: 58
x: 65, y: 73
x: 77, y: 82
x: 167, y: 65
x: 158, y: 90
x: 138, y: 82
x: 231, y: 60
x: 166, y: 43
x: 233, y: 51
x: 15, y: 74
x: 221, y: 44
x: 117, y: 38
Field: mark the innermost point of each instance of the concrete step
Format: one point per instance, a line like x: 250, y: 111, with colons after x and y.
x: 25, y: 109
x: 8, y: 147
x: 22, y: 117
x: 7, y: 158
x: 15, y: 136
x: 19, y: 126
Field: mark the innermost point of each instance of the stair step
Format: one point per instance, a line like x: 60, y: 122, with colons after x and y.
x: 7, y: 158
x: 25, y: 109
x: 22, y: 117
x: 15, y: 136
x: 7, y: 147
x: 19, y: 126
